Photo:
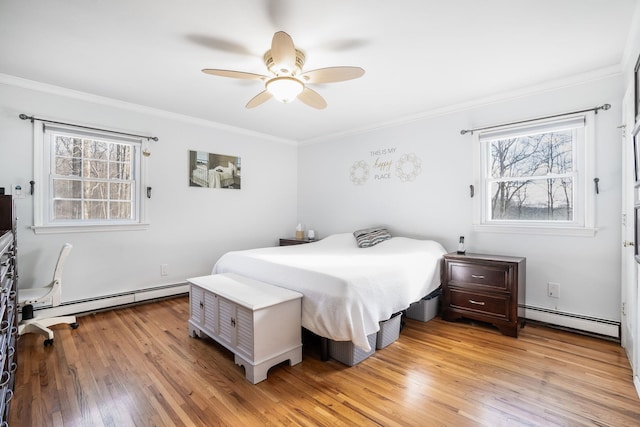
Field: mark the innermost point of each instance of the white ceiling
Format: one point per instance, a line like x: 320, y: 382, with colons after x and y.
x: 419, y: 55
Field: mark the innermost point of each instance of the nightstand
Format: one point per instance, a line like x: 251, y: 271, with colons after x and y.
x: 488, y: 288
x: 293, y: 241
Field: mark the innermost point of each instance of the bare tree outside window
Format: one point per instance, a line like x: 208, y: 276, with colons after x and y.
x: 531, y: 177
x: 92, y: 179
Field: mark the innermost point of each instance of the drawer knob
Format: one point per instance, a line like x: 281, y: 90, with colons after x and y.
x: 477, y: 276
x: 476, y: 302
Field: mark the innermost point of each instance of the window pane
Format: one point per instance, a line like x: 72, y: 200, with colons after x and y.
x: 66, y: 166
x: 119, y: 170
x: 532, y: 200
x: 95, y: 169
x: 532, y: 155
x: 120, y: 153
x: 120, y: 210
x: 120, y: 191
x: 95, y: 149
x: 95, y: 190
x: 95, y: 209
x: 68, y: 147
x: 67, y: 209
x: 67, y: 189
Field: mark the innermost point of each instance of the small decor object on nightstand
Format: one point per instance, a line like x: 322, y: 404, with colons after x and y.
x: 299, y: 232
x: 461, y: 246
x: 311, y: 235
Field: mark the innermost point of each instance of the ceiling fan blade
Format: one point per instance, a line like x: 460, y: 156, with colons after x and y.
x: 283, y: 52
x: 332, y: 74
x: 312, y: 99
x: 234, y: 74
x: 260, y: 98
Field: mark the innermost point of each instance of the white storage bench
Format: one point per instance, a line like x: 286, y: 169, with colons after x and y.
x: 258, y: 322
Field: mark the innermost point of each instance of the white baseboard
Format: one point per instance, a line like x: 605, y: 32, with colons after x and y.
x: 582, y: 323
x: 148, y: 294
x: 85, y: 306
x: 636, y: 382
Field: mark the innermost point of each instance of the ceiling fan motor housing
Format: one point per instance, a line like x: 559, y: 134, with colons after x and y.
x: 273, y: 67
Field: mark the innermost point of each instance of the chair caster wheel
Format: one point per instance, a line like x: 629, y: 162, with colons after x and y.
x: 74, y: 325
x: 48, y: 342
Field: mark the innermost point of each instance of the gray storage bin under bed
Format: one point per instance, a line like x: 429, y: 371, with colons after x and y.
x: 427, y: 308
x: 347, y: 353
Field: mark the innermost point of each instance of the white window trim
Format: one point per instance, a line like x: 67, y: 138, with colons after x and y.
x: 40, y: 204
x: 586, y: 228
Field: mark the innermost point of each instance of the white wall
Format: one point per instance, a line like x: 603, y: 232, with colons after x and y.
x: 190, y: 227
x: 437, y: 204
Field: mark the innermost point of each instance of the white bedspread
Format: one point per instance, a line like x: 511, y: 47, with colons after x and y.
x: 347, y: 290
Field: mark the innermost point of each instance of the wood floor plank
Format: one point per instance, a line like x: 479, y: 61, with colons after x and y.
x: 138, y: 366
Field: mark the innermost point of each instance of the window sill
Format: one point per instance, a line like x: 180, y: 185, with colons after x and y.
x: 541, y: 231
x: 58, y: 229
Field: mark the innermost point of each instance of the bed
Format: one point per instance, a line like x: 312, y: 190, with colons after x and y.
x: 347, y: 290
x: 218, y: 177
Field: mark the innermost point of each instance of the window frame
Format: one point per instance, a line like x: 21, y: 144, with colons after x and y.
x: 44, y: 161
x: 583, y: 223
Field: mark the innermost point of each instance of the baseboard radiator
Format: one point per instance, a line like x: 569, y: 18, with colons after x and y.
x: 111, y: 301
x: 609, y: 328
x: 578, y: 322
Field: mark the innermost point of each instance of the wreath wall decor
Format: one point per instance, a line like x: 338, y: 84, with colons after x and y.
x: 408, y: 167
x: 359, y: 172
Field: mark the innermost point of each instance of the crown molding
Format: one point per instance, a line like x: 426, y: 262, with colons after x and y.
x: 576, y: 80
x: 110, y: 102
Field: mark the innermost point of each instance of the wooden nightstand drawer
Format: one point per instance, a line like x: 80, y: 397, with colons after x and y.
x: 492, y: 305
x: 481, y: 275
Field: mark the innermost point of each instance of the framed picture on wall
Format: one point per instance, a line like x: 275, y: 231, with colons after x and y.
x: 636, y: 79
x: 211, y: 170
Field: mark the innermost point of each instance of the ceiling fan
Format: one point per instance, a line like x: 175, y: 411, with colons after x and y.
x: 287, y: 80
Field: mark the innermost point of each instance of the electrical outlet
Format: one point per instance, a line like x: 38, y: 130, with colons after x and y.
x: 553, y: 290
x: 164, y: 269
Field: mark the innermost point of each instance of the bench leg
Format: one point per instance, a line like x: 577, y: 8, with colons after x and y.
x: 257, y: 373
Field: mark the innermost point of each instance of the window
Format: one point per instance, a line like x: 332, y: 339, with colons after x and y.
x: 88, y: 179
x: 535, y: 176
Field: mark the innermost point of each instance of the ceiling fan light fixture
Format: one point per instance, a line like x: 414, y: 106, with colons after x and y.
x: 284, y: 89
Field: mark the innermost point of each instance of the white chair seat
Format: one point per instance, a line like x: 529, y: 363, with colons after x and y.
x: 31, y: 295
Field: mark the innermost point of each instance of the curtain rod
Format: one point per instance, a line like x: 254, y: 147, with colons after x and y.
x: 32, y: 118
x: 471, y: 131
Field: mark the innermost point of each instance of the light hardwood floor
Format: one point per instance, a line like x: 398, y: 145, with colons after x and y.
x: 138, y: 366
